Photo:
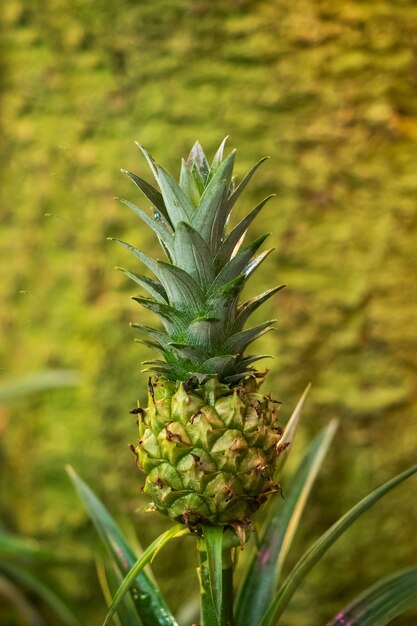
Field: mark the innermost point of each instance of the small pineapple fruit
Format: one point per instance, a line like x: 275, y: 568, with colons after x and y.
x: 209, y: 438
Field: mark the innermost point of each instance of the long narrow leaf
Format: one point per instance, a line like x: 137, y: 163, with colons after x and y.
x: 157, y: 337
x: 290, y: 431
x: 183, y: 292
x: 150, y: 192
x: 235, y: 195
x: 227, y: 247
x: 149, y: 602
x: 211, y: 215
x: 198, y: 164
x: 159, y: 226
x: 255, y: 263
x: 382, y: 602
x: 282, y: 521
x: 153, y: 287
x: 247, y: 308
x: 213, y: 539
x: 14, y: 388
x: 110, y: 578
x: 13, y: 595
x: 173, y: 317
x: 218, y: 157
x: 320, y: 547
x: 178, y: 206
x: 148, y: 555
x: 23, y: 549
x: 34, y: 584
x: 236, y: 265
x: 188, y: 184
x: 239, y: 341
x: 192, y: 254
x: 147, y: 261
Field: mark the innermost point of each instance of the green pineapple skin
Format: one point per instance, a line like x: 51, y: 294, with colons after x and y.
x: 208, y: 453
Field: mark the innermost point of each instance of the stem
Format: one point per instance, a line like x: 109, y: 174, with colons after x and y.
x: 208, y: 612
x: 227, y: 600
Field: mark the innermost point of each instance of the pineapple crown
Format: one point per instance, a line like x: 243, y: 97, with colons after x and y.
x: 195, y: 292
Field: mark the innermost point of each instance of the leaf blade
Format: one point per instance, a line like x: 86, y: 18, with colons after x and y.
x: 160, y: 227
x: 230, y: 242
x: 153, y: 287
x: 279, y: 529
x: 12, y: 388
x: 382, y: 602
x: 320, y: 547
x: 213, y: 539
x: 237, y: 264
x: 150, y: 192
x: 182, y: 290
x: 147, y: 261
x: 245, y: 180
x: 191, y: 254
x: 290, y: 431
x: 155, y: 611
x: 177, y: 204
x: 211, y: 214
x: 110, y: 578
x: 44, y: 591
x: 147, y: 556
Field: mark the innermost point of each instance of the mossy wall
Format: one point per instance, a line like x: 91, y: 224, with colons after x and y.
x: 329, y: 91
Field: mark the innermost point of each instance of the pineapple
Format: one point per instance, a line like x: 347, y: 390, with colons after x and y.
x: 209, y: 438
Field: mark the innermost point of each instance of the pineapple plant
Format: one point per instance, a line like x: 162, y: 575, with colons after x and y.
x: 209, y: 437
x: 210, y: 441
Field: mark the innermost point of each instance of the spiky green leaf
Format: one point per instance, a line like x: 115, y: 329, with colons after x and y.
x: 210, y: 217
x: 236, y: 193
x: 230, y: 242
x: 159, y: 226
x: 189, y: 185
x: 178, y: 205
x: 153, y: 287
x: 147, y: 261
x: 218, y: 157
x: 161, y: 338
x: 244, y: 364
x: 237, y: 343
x: 255, y: 263
x: 206, y: 333
x: 189, y: 353
x: 198, y: 164
x: 137, y: 568
x: 218, y: 364
x: 154, y: 195
x: 192, y: 255
x: 183, y: 291
x: 247, y: 308
x: 173, y: 319
x: 237, y: 264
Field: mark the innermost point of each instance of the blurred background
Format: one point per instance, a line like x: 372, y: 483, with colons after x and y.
x: 329, y: 91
